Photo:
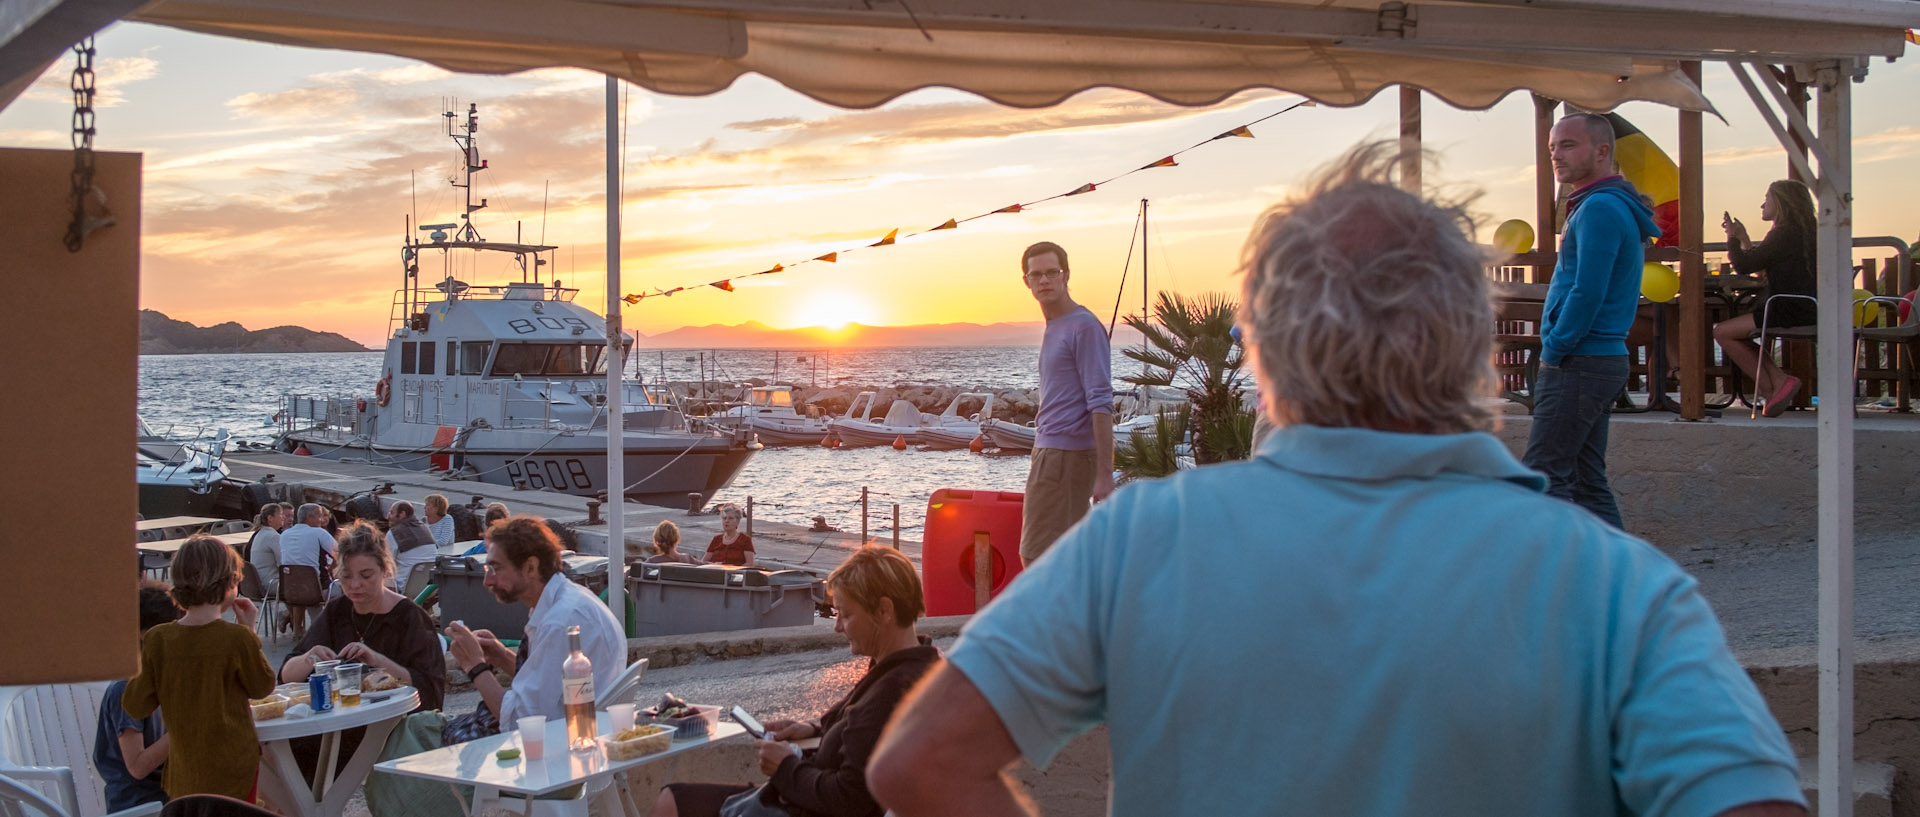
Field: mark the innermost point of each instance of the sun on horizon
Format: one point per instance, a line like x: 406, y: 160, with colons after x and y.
x: 833, y: 310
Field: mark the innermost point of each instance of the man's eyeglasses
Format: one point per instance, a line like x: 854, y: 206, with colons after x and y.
x: 1045, y: 275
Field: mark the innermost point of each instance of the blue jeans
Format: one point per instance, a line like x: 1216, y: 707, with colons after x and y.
x: 1572, y: 403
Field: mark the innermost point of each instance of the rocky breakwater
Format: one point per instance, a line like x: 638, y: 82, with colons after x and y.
x: 1013, y: 405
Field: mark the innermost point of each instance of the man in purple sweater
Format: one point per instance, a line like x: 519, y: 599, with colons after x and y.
x: 1072, y: 463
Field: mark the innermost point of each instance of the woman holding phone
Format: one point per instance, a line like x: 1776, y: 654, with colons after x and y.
x: 876, y: 593
x: 1785, y: 258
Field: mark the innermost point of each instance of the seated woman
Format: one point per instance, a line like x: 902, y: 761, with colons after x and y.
x: 731, y: 547
x: 370, y: 624
x: 877, y: 594
x: 666, y: 545
x: 495, y: 512
x: 1786, y: 259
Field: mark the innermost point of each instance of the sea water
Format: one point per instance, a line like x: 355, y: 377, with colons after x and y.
x: 241, y: 393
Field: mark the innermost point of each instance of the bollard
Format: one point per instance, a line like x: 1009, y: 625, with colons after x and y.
x: 693, y: 503
x: 593, y: 511
x: 750, y: 512
x: 863, y: 515
x: 896, y: 526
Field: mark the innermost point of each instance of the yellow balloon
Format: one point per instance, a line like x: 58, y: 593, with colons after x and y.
x: 1658, y: 282
x: 1865, y: 312
x: 1514, y: 236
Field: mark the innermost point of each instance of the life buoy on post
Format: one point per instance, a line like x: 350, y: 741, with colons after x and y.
x: 383, y: 391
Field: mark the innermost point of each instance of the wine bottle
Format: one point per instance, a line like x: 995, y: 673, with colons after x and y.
x: 576, y: 694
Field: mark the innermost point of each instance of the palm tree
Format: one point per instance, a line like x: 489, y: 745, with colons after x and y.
x: 1190, y: 345
x: 1150, y: 456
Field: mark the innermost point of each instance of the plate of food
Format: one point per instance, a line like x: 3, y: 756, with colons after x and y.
x: 688, y: 721
x: 270, y: 707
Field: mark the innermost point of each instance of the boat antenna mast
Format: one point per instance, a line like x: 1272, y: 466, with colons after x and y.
x: 470, y: 163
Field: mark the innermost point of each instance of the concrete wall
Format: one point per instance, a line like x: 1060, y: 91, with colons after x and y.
x: 1736, y: 481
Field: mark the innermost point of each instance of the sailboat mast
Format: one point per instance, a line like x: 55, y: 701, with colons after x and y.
x: 1146, y: 292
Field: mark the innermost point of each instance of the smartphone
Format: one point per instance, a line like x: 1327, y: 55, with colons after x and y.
x: 749, y: 723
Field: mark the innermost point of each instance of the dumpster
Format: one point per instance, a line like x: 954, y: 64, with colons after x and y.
x: 464, y: 597
x: 956, y: 519
x: 673, y: 599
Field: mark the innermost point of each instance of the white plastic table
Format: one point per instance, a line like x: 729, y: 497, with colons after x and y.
x: 280, y: 778
x: 473, y: 764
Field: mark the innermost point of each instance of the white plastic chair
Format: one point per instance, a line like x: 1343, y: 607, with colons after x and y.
x: 20, y: 800
x: 623, y: 687
x: 46, y: 742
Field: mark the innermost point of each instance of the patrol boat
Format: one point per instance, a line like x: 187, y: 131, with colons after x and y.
x: 506, y: 383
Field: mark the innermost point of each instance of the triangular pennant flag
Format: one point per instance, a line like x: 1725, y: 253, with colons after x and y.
x: 1912, y: 37
x: 888, y: 240
x: 829, y: 257
x: 633, y: 299
x: 1239, y: 131
x: 1085, y: 188
x: 1011, y: 208
x: 947, y: 226
x: 726, y: 285
x: 1167, y: 162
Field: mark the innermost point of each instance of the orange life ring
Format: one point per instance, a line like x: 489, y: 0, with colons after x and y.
x: 383, y: 391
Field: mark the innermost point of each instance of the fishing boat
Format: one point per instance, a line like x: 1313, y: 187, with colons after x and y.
x: 506, y: 382
x: 770, y: 416
x: 177, y: 468
x: 1007, y: 435
x: 949, y: 430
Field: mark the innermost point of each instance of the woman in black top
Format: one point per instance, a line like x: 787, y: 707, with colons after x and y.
x: 876, y: 593
x: 1786, y: 259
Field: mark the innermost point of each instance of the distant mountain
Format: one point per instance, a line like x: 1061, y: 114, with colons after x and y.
x: 756, y: 335
x: 161, y: 335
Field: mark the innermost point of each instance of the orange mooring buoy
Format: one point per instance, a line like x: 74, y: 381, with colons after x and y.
x: 900, y: 442
x: 302, y: 451
x: 827, y: 441
x: 978, y: 444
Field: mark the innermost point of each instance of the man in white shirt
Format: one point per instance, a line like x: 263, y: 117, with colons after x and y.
x: 523, y: 566
x: 307, y: 543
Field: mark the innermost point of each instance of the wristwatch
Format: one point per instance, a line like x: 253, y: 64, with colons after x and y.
x: 474, y: 672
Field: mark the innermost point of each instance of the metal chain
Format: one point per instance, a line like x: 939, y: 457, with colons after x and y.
x: 83, y: 92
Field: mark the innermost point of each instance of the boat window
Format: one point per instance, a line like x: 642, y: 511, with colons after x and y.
x: 548, y: 359
x: 427, y: 354
x: 473, y: 357
x: 407, y: 353
x: 780, y: 399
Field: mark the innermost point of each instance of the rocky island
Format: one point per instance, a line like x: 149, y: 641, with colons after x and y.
x: 161, y: 335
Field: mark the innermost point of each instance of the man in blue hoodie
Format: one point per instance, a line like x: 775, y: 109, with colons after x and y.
x: 1590, y: 306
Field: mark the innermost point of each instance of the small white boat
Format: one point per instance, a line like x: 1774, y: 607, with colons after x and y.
x: 903, y: 421
x: 769, y: 414
x: 949, y: 430
x: 176, y: 469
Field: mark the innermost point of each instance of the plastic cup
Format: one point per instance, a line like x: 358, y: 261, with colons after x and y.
x: 346, y: 679
x: 533, y: 736
x: 620, y: 716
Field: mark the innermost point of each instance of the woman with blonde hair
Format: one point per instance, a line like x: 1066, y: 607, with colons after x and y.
x: 877, y: 599
x: 666, y: 545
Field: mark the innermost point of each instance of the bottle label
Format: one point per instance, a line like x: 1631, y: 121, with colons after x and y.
x: 577, y: 690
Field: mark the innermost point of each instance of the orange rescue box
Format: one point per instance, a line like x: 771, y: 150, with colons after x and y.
x: 956, y: 519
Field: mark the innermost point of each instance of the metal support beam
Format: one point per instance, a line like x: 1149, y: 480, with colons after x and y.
x: 1693, y: 267
x: 1788, y: 139
x: 1410, y: 148
x: 616, y: 371
x: 1798, y: 122
x: 1835, y: 439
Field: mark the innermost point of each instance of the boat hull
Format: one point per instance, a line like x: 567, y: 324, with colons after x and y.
x: 654, y: 475
x: 944, y: 438
x: 160, y: 500
x: 858, y: 434
x: 1007, y: 436
x: 802, y: 432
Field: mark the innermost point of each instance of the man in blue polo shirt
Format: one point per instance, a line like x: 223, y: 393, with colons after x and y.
x: 1590, y: 306
x: 1380, y: 614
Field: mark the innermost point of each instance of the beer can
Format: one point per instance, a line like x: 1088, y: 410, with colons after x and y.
x: 320, y: 692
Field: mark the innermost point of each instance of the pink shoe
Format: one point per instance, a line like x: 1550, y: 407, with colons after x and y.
x: 1782, y: 397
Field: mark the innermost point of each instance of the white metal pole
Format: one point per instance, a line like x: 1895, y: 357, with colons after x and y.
x: 1835, y: 443
x: 616, y: 368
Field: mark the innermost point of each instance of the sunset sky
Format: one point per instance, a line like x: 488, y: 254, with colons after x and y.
x: 278, y: 180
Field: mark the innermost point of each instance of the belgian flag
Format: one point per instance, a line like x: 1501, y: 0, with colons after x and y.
x: 1652, y: 172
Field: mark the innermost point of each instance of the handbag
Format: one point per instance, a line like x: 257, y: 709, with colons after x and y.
x: 760, y: 802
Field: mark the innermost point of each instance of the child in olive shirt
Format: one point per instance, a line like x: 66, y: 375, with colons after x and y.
x: 200, y: 671
x: 128, y: 753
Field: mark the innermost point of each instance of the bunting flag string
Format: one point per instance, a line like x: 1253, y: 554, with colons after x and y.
x: 893, y: 236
